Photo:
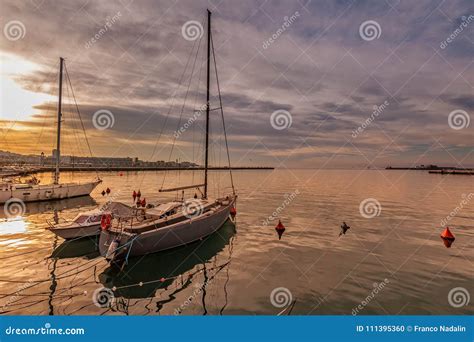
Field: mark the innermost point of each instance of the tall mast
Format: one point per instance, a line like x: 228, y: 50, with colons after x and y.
x: 206, y: 165
x: 58, y: 137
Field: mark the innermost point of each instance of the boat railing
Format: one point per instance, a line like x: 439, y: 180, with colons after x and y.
x: 53, y: 222
x: 121, y: 222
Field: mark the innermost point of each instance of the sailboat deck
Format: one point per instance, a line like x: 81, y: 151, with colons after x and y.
x: 154, y: 218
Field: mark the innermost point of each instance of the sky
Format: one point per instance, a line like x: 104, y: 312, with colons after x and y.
x: 304, y: 84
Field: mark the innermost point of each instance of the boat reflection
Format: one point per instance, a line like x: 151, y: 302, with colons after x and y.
x: 143, y: 276
x: 33, y: 208
x: 85, y: 247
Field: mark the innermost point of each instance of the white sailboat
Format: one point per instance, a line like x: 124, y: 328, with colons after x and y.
x: 177, y: 222
x: 31, y: 190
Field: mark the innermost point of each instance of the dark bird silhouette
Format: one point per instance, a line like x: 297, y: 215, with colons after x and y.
x: 344, y: 228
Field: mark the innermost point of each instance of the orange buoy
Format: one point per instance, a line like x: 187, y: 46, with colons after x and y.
x: 143, y: 202
x: 233, y: 212
x: 280, y: 228
x: 447, y: 237
x: 139, y: 194
x: 134, y: 195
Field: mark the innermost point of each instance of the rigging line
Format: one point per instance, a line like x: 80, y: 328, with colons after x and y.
x: 222, y: 114
x: 184, y: 104
x: 170, y: 109
x: 76, y: 146
x: 49, y: 107
x: 80, y: 117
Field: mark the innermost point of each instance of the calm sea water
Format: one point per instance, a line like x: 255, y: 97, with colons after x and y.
x: 392, y: 263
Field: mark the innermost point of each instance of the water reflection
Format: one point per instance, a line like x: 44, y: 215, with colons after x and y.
x: 33, y: 208
x: 143, y: 276
x: 86, y: 247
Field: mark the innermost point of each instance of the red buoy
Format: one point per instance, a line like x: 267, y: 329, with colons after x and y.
x: 139, y: 194
x: 280, y: 228
x: 103, y: 193
x: 107, y: 191
x: 143, y: 202
x: 105, y: 221
x: 233, y: 212
x: 134, y: 195
x: 447, y: 237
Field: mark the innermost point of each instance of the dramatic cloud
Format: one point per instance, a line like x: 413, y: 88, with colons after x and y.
x: 307, y: 58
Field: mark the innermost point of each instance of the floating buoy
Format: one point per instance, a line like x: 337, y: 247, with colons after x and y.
x: 103, y: 193
x: 447, y: 237
x: 162, y: 280
x: 107, y: 191
x: 139, y: 194
x: 280, y: 228
x: 134, y: 195
x: 143, y: 202
x: 233, y: 212
x: 121, y: 174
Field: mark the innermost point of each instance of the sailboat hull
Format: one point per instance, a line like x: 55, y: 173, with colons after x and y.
x: 46, y: 192
x: 167, y: 237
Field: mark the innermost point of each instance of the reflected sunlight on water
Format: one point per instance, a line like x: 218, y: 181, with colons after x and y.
x: 16, y: 225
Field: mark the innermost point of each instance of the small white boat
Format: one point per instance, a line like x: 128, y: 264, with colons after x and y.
x: 35, y: 192
x: 88, y: 223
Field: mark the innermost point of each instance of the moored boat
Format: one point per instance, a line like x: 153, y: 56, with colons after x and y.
x: 178, y: 222
x: 88, y: 223
x: 31, y: 190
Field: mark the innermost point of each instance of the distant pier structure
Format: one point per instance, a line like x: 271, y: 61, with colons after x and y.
x: 435, y: 169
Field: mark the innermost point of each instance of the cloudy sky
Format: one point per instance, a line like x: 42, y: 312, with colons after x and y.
x: 304, y: 83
